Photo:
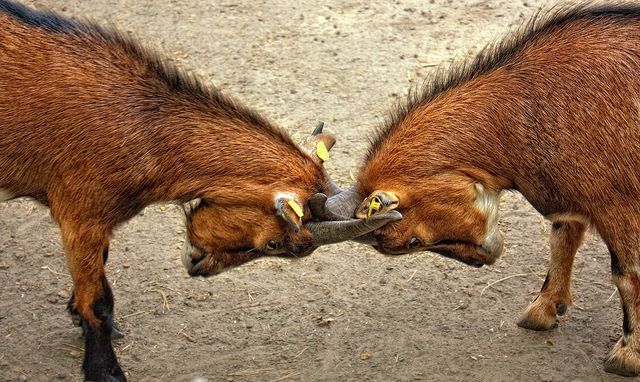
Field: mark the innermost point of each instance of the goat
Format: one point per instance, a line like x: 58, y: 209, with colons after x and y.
x: 96, y: 127
x: 553, y: 113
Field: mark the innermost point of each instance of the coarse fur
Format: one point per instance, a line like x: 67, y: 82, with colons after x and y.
x: 96, y: 127
x: 552, y: 112
x: 494, y: 56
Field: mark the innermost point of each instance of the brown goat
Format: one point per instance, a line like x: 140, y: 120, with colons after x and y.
x: 553, y: 113
x: 97, y: 128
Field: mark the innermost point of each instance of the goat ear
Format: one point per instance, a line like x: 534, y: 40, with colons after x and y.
x: 318, y: 144
x: 290, y: 210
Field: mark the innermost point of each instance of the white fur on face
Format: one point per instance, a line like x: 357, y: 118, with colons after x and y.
x: 5, y: 195
x: 488, y: 202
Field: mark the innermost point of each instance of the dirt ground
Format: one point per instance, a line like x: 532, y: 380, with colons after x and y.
x: 345, y: 313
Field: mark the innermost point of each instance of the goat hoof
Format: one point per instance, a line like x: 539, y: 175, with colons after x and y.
x: 110, y: 378
x: 543, y: 312
x: 101, y: 375
x: 623, y: 360
x: 527, y: 322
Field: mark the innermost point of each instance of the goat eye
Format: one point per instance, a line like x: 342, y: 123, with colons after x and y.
x: 414, y: 242
x: 271, y: 246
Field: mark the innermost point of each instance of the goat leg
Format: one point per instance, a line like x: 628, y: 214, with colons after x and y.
x: 624, y: 358
x: 92, y: 299
x: 116, y: 332
x: 555, y: 296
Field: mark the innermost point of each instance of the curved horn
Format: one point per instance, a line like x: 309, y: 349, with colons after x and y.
x: 318, y: 129
x: 317, y: 204
x: 340, y: 206
x: 345, y: 203
x: 332, y: 186
x: 318, y: 143
x: 329, y: 232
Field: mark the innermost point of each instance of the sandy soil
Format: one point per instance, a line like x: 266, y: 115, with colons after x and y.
x: 344, y: 313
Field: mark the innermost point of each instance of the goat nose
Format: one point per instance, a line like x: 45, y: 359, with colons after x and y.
x: 197, y: 255
x: 300, y: 249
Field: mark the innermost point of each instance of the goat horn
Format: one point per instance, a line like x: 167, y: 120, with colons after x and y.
x: 317, y: 206
x: 332, y: 186
x: 329, y: 232
x: 340, y: 206
x: 318, y: 129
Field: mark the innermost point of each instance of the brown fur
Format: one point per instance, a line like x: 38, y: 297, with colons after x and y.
x: 555, y: 296
x: 96, y: 127
x: 553, y: 113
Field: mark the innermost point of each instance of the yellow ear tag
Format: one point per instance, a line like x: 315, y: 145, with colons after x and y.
x: 374, y: 206
x: 322, y: 152
x: 296, y: 208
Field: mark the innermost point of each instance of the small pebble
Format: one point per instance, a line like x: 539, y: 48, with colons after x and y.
x: 126, y: 265
x: 4, y: 265
x: 546, y: 378
x: 324, y: 322
x: 63, y: 293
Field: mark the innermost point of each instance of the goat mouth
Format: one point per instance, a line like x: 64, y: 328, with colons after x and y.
x: 195, y: 266
x: 209, y: 264
x: 449, y: 253
x: 462, y: 251
x: 466, y: 252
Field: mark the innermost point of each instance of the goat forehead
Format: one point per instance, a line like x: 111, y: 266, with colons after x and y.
x: 5, y: 195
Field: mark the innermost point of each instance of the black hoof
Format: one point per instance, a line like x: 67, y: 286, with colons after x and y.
x: 109, y: 378
x: 107, y: 370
